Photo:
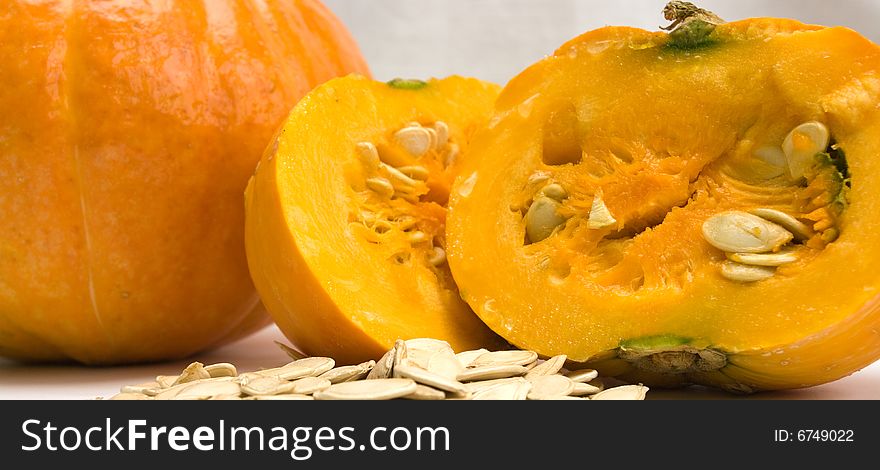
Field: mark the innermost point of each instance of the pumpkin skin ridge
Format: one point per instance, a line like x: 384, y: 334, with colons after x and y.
x: 519, y: 91
x: 329, y: 290
x: 158, y: 297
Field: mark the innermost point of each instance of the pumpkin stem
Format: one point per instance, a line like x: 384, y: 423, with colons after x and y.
x: 691, y: 25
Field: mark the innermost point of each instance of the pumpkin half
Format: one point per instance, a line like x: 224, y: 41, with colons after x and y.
x: 692, y: 207
x: 127, y: 133
x: 346, y: 214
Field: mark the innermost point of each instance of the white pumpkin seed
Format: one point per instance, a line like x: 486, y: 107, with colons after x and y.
x: 774, y: 157
x: 346, y: 373
x: 368, y: 155
x: 451, y: 155
x: 583, y: 375
x: 290, y: 351
x: 473, y: 387
x: 147, y: 388
x: 544, y: 386
x: 800, y: 230
x: 223, y: 369
x: 430, y: 379
x: 283, y: 396
x: 506, y: 391
x: 192, y: 372
x: 745, y: 273
x: 130, y: 396
x: 437, y: 256
x: 382, y: 369
x: 499, y: 371
x: 441, y: 129
x: 542, y: 218
x: 600, y: 216
x: 587, y: 388
x: 763, y: 259
x: 741, y: 232
x: 549, y: 367
x: 423, y: 392
x: 512, y: 357
x: 380, y: 389
x: 415, y: 140
x: 554, y: 191
x: 380, y: 186
x: 624, y: 392
x: 415, y: 172
x: 166, y: 381
x: 802, y: 144
x: 309, y: 385
x: 265, y: 385
x: 467, y: 357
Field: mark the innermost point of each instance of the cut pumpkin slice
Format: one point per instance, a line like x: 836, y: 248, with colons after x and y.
x: 714, y: 213
x: 345, y: 224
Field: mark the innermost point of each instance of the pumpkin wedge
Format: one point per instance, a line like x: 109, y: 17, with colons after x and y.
x: 699, y: 206
x: 345, y: 216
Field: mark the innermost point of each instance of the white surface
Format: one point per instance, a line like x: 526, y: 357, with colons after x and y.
x: 259, y: 351
x: 489, y: 39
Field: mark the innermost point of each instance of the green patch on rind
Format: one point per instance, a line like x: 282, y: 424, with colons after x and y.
x: 654, y: 342
x: 407, y: 84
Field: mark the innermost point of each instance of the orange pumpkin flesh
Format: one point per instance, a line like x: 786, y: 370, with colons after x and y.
x: 343, y: 270
x: 666, y: 136
x: 128, y: 133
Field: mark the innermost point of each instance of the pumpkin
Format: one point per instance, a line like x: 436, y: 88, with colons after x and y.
x: 128, y: 132
x: 345, y: 216
x: 698, y: 206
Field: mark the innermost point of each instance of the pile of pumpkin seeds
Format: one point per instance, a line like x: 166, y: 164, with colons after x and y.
x: 416, y: 369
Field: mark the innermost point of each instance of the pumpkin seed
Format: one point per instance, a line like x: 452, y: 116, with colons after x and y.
x: 283, y: 396
x: 415, y: 172
x: 554, y: 191
x: 802, y: 144
x: 130, y: 396
x: 397, y: 178
x: 147, y: 388
x: 741, y: 232
x: 624, y: 392
x: 549, y: 367
x: 442, y: 131
x: 223, y: 369
x: 497, y: 371
x: 544, y: 386
x: 451, y: 155
x: 422, y: 369
x: 381, y: 389
x: 368, y: 155
x: 542, y: 218
x: 347, y: 373
x: 583, y: 375
x: 800, y: 230
x: 380, y: 186
x: 507, y: 391
x: 192, y: 372
x: 514, y: 357
x: 465, y: 358
x: 763, y: 259
x: 430, y: 379
x: 437, y: 256
x: 745, y: 273
x: 600, y: 216
x: 539, y: 177
x: 309, y: 385
x: 415, y: 140
x: 423, y: 392
x: 293, y: 353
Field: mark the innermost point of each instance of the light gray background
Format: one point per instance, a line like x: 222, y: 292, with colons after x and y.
x: 495, y: 39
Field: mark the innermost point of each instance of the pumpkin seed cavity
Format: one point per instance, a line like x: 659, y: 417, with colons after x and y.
x: 415, y: 369
x: 752, y: 240
x: 394, y: 192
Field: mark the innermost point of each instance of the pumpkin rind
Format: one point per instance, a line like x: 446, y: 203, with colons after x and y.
x: 332, y: 290
x: 128, y: 133
x: 688, y: 118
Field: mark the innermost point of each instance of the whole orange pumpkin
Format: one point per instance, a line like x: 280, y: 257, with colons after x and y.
x: 128, y: 131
